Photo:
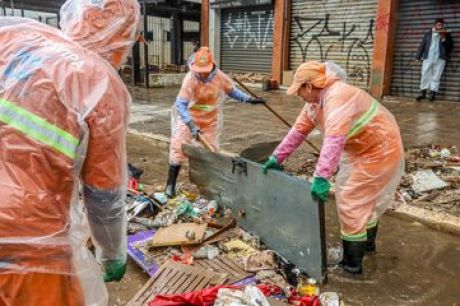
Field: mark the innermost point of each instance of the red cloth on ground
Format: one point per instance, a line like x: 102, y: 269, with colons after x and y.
x: 205, y: 297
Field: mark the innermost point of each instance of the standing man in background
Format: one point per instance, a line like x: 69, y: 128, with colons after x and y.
x: 434, y: 51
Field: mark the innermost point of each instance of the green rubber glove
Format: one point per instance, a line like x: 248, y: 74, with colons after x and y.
x: 271, y: 163
x: 114, y: 270
x: 320, y: 189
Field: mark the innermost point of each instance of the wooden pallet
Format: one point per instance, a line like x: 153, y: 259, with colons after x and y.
x: 173, y: 277
x: 223, y: 264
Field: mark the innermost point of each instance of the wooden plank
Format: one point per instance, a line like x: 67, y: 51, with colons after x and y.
x: 176, y: 235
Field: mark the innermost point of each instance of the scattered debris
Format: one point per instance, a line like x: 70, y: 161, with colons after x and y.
x: 174, y: 278
x: 251, y: 77
x: 426, y: 180
x: 187, y: 245
x: 249, y: 296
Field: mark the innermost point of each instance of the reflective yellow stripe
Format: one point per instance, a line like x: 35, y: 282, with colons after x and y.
x: 372, y: 223
x: 364, y: 119
x: 38, y: 128
x: 204, y: 107
x: 355, y: 237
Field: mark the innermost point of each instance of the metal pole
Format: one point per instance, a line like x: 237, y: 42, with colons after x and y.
x: 146, y: 49
x: 274, y: 112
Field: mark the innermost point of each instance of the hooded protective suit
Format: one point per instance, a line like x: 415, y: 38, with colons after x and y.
x: 200, y: 101
x: 361, y: 135
x: 63, y: 118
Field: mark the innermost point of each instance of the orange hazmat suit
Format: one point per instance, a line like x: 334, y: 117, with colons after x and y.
x: 63, y: 118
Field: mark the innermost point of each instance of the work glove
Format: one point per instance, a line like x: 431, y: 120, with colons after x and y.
x: 271, y: 163
x: 258, y: 100
x: 320, y: 189
x: 114, y: 270
x: 194, y: 130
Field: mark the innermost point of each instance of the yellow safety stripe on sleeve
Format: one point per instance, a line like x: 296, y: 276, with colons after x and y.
x: 364, y: 119
x: 38, y: 128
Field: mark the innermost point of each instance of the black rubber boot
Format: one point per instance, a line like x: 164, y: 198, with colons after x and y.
x: 421, y: 96
x: 432, y: 96
x: 353, y: 253
x: 172, y: 178
x: 371, y: 235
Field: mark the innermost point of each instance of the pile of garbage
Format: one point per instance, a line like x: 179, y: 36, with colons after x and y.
x: 195, y: 253
x: 251, y: 77
x: 432, y: 179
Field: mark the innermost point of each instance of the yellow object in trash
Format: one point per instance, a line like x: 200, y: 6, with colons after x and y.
x: 310, y: 288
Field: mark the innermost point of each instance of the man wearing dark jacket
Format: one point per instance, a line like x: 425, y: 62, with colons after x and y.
x: 434, y: 50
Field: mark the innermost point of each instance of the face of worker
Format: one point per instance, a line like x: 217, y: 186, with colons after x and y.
x: 309, y: 93
x: 204, y: 75
x: 439, y: 26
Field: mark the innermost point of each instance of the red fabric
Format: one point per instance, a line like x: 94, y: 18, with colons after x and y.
x: 133, y: 183
x: 207, y: 296
x: 305, y: 300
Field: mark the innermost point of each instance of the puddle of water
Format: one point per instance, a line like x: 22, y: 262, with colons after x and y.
x: 414, y: 265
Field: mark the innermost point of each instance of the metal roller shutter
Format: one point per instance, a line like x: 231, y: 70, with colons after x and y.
x: 247, y: 39
x: 414, y: 19
x: 337, y: 31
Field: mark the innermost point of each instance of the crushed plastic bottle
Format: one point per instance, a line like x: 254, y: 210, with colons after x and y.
x: 308, y: 287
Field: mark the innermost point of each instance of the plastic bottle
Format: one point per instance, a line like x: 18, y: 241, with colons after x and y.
x: 308, y: 288
x: 212, y: 208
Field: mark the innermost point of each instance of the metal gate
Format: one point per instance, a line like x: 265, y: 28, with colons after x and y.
x: 414, y: 19
x: 338, y: 31
x: 247, y: 39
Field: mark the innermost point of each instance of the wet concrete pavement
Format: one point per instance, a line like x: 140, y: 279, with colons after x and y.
x: 414, y: 264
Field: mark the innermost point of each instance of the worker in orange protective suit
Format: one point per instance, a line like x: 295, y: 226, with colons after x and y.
x: 361, y: 135
x: 198, y: 109
x: 63, y: 119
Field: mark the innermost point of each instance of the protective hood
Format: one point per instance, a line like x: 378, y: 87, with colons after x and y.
x: 107, y: 27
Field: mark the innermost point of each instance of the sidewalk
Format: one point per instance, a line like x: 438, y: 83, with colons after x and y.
x: 245, y: 125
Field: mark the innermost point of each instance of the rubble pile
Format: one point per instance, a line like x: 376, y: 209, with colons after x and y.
x: 190, y: 244
x: 251, y: 77
x: 432, y: 178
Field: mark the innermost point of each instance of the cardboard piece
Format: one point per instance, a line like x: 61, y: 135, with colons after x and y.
x: 179, y: 234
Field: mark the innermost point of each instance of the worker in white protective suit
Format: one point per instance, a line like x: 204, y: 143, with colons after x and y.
x: 63, y: 119
x: 434, y: 51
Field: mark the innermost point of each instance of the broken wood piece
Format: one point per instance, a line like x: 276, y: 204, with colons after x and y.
x: 178, y: 234
x: 174, y: 278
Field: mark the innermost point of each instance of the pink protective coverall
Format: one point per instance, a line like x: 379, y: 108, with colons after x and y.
x: 364, y: 137
x: 206, y: 103
x: 63, y: 119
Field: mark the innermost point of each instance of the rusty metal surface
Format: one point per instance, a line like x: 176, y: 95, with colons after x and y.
x: 173, y: 277
x: 276, y: 207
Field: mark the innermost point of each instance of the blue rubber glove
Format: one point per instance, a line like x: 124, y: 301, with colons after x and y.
x: 114, y: 270
x: 271, y: 163
x: 320, y: 189
x: 194, y: 130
